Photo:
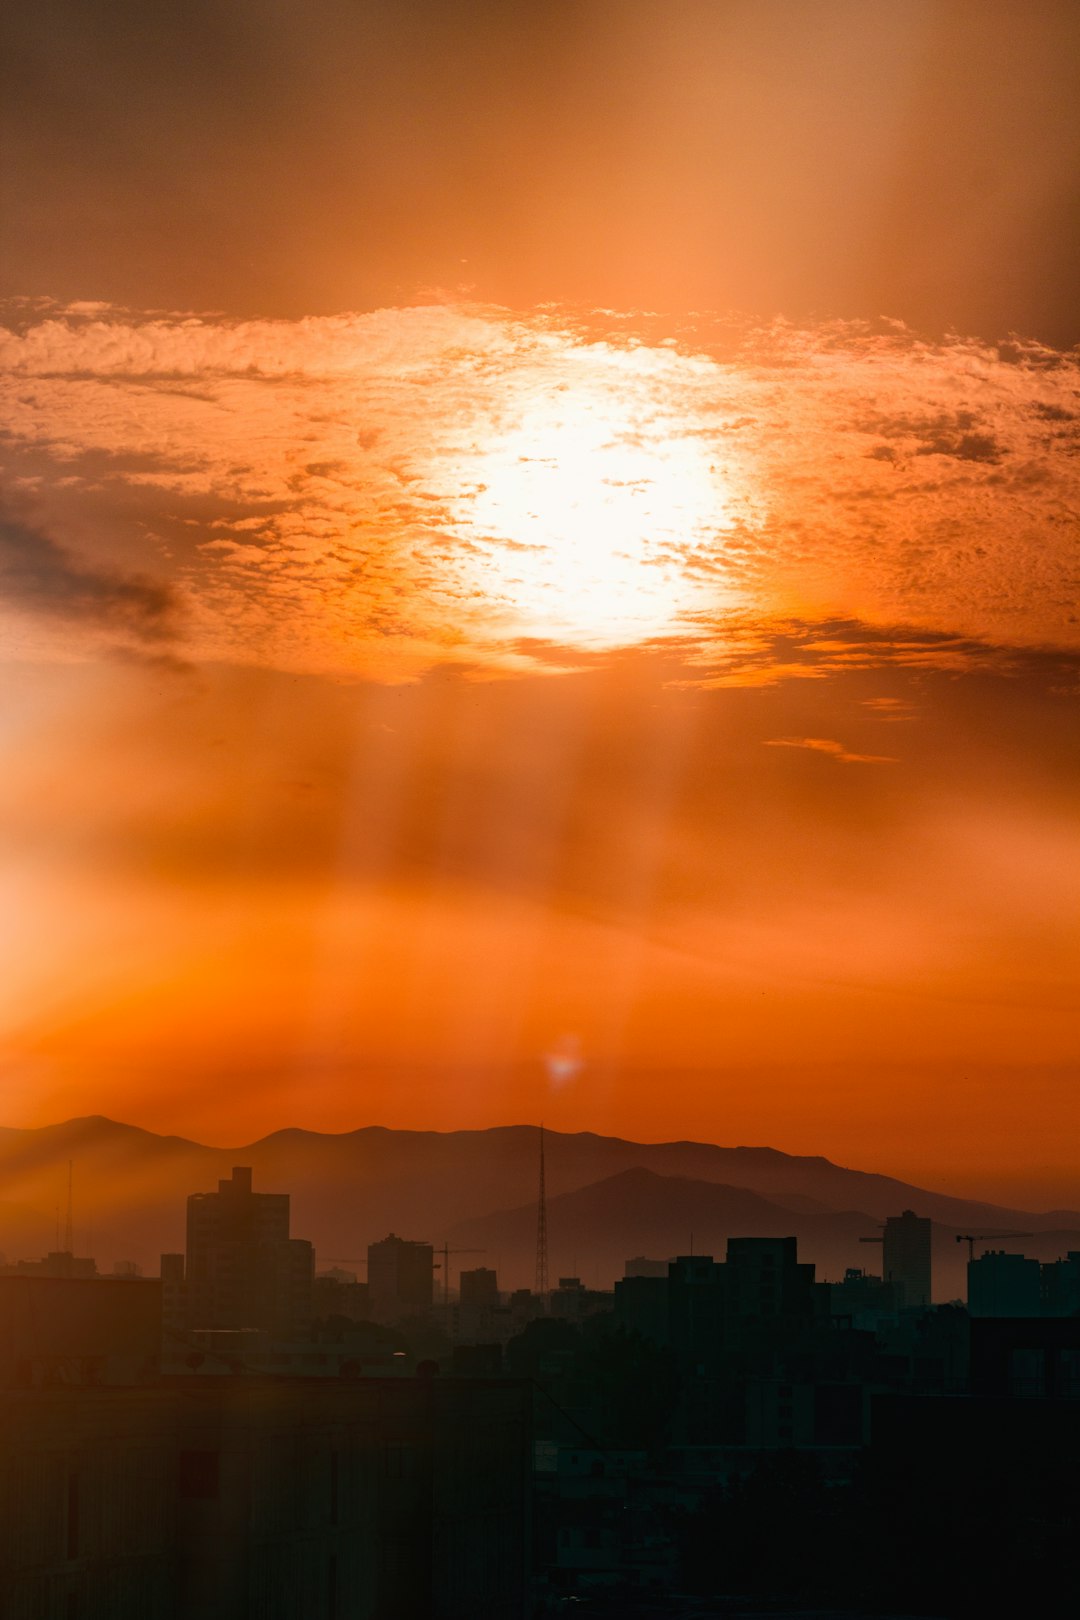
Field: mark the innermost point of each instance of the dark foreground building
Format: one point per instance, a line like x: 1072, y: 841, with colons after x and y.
x: 252, y: 1499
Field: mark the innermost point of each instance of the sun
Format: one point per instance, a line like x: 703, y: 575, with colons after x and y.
x: 585, y: 522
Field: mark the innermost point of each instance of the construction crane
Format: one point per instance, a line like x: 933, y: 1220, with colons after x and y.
x: 971, y: 1238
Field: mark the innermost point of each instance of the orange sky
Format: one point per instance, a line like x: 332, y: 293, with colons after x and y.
x: 398, y: 700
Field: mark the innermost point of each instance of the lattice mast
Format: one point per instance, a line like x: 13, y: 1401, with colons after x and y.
x: 541, y: 1230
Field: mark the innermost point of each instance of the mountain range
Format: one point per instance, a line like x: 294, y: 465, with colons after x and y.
x: 608, y: 1198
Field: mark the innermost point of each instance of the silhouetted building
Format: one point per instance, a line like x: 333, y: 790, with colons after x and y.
x: 703, y: 1306
x: 572, y: 1301
x: 174, y: 1311
x: 479, y: 1287
x: 696, y: 1301
x: 400, y: 1278
x: 864, y: 1301
x: 1001, y: 1284
x: 640, y: 1266
x: 337, y: 1293
x: 204, y: 1499
x: 243, y: 1269
x: 765, y: 1279
x: 1061, y: 1286
x: 480, y: 1318
x: 1025, y: 1358
x: 59, y: 1263
x: 906, y: 1260
x: 78, y: 1330
x: 524, y: 1307
x: 641, y: 1306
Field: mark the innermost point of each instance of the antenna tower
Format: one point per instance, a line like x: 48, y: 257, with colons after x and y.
x: 69, y: 1223
x: 541, y: 1230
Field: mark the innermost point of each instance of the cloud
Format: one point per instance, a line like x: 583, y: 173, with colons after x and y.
x: 959, y: 434
x: 890, y: 708
x: 38, y: 576
x: 381, y: 494
x: 826, y: 745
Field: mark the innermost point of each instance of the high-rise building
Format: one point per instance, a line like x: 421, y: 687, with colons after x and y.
x: 906, y: 1259
x: 243, y: 1269
x: 765, y: 1278
x: 400, y: 1278
x: 1001, y: 1284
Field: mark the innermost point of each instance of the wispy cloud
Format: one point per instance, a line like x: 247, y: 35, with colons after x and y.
x: 890, y: 708
x: 835, y: 750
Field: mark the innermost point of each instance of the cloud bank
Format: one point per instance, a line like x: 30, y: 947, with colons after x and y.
x: 379, y: 494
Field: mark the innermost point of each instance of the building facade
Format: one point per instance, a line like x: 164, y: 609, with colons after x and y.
x: 243, y: 1270
x: 400, y: 1278
x: 906, y: 1262
x: 208, y: 1499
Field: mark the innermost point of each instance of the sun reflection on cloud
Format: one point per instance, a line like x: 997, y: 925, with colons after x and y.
x: 381, y: 494
x: 582, y: 519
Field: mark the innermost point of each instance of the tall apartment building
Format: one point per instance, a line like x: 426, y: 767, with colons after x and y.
x: 765, y: 1278
x: 243, y: 1270
x: 906, y: 1258
x: 400, y: 1278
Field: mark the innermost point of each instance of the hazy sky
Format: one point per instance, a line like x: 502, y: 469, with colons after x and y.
x: 546, y: 530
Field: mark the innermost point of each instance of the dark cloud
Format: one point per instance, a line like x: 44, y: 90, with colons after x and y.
x: 39, y: 576
x: 956, y: 433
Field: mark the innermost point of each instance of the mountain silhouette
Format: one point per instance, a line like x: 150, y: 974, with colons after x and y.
x: 594, y: 1230
x: 131, y: 1185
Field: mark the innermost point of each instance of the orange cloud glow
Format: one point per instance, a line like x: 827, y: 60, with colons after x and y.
x: 396, y: 699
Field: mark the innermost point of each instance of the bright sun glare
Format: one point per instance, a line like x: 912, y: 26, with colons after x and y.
x: 587, y: 524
